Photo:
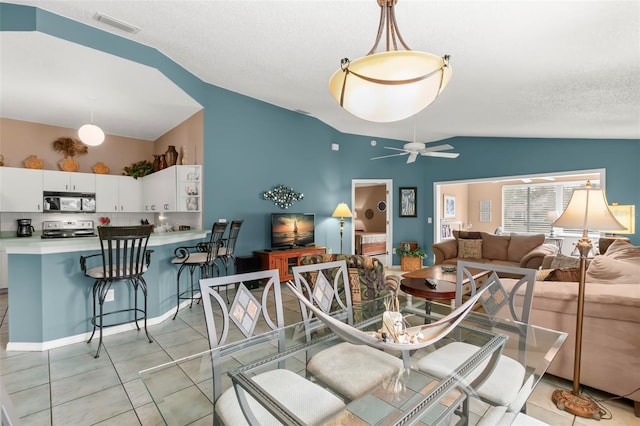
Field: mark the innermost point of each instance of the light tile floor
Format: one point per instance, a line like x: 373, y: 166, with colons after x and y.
x: 68, y: 386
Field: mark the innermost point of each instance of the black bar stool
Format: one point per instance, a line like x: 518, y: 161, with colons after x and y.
x: 226, y: 251
x: 124, y: 259
x: 203, y: 257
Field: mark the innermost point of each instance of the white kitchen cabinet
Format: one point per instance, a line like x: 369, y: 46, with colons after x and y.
x: 129, y: 194
x: 68, y: 181
x: 159, y: 191
x: 174, y: 189
x: 118, y: 194
x: 21, y: 190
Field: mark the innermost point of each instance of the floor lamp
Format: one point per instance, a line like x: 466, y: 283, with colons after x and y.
x: 341, y: 211
x: 587, y: 209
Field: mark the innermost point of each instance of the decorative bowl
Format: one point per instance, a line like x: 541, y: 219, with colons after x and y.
x: 448, y: 269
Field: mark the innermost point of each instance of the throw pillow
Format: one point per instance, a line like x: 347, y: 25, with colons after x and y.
x: 623, y: 250
x: 608, y: 270
x: 470, y: 249
x: 566, y: 275
x: 494, y: 247
x: 563, y: 262
x: 543, y: 274
x: 520, y: 245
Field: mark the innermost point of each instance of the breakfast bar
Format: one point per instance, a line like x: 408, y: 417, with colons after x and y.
x: 50, y: 297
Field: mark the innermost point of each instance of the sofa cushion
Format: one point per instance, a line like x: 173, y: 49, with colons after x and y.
x: 623, y: 250
x: 467, y: 235
x: 560, y: 261
x: 604, y: 269
x: 520, y: 245
x: 469, y: 249
x: 495, y: 247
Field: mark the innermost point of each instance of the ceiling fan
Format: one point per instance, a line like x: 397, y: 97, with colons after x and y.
x: 413, y: 149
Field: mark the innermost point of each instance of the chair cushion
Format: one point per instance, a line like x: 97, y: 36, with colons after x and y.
x: 98, y: 272
x: 194, y: 258
x: 352, y: 370
x: 500, y: 388
x: 305, y: 399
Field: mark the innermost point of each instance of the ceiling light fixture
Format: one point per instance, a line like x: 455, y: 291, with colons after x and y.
x: 90, y: 134
x: 392, y: 85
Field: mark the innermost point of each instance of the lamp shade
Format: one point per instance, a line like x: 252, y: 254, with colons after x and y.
x: 626, y: 215
x: 390, y: 86
x: 90, y: 134
x: 342, y: 211
x: 588, y: 209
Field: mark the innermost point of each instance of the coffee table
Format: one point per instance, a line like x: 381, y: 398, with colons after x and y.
x: 415, y: 283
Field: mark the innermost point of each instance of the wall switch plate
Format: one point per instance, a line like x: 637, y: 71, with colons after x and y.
x: 222, y: 220
x: 429, y: 220
x: 111, y: 295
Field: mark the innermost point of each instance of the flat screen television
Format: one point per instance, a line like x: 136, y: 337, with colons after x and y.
x: 292, y: 229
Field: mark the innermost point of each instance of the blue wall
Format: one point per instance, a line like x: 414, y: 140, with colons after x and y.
x: 251, y: 146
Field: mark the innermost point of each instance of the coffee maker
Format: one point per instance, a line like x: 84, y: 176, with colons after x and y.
x: 24, y: 228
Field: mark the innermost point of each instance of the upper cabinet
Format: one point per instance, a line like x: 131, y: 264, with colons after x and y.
x: 174, y: 189
x: 118, y: 194
x: 21, y: 190
x: 68, y: 181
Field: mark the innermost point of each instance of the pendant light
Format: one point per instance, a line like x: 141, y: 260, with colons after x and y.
x: 90, y: 134
x: 392, y: 85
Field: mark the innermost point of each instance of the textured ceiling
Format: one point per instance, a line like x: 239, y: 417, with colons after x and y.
x: 561, y: 69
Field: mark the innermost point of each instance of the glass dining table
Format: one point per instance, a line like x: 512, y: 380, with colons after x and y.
x: 183, y: 390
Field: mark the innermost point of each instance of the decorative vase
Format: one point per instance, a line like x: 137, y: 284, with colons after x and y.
x: 69, y: 164
x: 33, y: 162
x: 163, y: 162
x: 185, y: 155
x: 100, y: 168
x: 156, y: 162
x: 171, y: 156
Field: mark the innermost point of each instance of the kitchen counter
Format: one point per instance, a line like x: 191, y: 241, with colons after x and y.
x: 50, y: 302
x: 38, y: 245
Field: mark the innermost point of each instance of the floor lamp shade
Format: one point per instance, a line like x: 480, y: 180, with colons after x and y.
x: 587, y: 210
x: 342, y: 211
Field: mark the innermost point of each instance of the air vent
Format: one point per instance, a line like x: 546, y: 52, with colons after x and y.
x: 116, y: 23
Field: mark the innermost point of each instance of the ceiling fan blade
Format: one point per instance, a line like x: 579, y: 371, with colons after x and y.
x: 398, y: 149
x: 437, y: 148
x: 412, y: 157
x: 390, y: 155
x: 441, y: 154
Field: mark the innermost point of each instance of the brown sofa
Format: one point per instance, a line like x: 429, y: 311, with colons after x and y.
x: 523, y: 251
x: 611, y: 343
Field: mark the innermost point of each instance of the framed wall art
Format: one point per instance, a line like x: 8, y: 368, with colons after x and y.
x: 408, y: 200
x: 449, y: 206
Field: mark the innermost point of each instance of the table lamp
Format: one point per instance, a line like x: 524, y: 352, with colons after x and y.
x: 587, y: 209
x: 341, y: 211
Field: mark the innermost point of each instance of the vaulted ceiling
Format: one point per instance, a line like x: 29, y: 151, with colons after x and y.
x: 540, y: 69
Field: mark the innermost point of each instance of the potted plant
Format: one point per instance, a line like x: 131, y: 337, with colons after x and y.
x: 70, y: 147
x: 410, y: 256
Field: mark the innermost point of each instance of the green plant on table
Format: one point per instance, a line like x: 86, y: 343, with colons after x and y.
x: 404, y: 252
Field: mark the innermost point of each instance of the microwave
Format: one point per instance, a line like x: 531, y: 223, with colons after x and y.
x: 69, y: 202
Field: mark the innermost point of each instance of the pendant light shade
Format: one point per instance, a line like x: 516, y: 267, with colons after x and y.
x: 391, y: 85
x: 91, y: 135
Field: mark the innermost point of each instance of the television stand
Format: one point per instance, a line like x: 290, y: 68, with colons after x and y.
x: 285, y: 259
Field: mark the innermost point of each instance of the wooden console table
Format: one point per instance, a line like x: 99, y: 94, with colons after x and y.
x: 285, y: 259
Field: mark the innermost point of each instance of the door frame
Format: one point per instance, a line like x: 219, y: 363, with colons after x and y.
x: 388, y: 183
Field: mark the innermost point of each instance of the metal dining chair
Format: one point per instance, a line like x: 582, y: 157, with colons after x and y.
x: 125, y: 258
x: 250, y: 316
x: 228, y: 247
x: 201, y: 257
x: 350, y: 369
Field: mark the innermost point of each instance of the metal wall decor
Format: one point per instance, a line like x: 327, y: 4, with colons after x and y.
x: 282, y: 196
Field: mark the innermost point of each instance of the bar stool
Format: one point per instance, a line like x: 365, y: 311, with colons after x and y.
x: 124, y: 259
x: 201, y: 257
x: 228, y: 247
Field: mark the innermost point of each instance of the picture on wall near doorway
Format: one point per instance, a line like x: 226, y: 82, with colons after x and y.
x: 485, y: 211
x: 408, y: 199
x: 449, y: 206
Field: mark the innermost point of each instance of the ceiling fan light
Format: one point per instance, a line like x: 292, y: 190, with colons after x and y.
x: 91, y: 135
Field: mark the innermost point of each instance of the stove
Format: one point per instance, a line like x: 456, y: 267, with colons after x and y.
x: 67, y: 228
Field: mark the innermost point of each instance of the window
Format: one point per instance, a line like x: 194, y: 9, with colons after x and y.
x: 527, y: 207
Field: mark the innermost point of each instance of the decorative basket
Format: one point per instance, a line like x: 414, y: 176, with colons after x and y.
x: 408, y: 263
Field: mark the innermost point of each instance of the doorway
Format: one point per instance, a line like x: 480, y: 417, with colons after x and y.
x: 371, y: 230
